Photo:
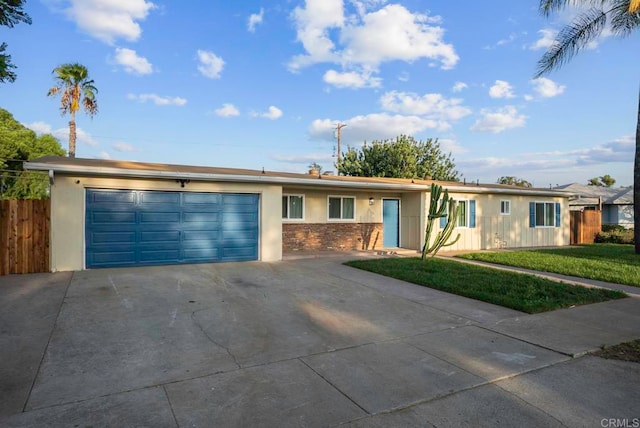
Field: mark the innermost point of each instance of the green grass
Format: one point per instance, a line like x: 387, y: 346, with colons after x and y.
x: 604, y: 262
x: 525, y: 293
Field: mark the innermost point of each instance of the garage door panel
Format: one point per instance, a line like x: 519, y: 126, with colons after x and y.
x: 159, y: 217
x: 159, y: 256
x: 156, y: 236
x: 200, y: 217
x: 113, y: 197
x: 109, y: 237
x: 238, y: 254
x: 201, y: 254
x: 110, y: 217
x: 126, y: 228
x: 108, y: 258
x: 208, y: 199
x: 165, y: 198
x: 200, y: 235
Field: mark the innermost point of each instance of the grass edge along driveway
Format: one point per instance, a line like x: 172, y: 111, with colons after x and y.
x: 603, y: 262
x: 522, y: 292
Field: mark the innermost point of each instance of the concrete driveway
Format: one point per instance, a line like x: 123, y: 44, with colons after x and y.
x: 298, y: 343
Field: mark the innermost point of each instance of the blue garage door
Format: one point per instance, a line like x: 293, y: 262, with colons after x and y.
x: 136, y: 228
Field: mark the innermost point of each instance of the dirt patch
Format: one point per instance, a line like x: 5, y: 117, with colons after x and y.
x: 628, y: 351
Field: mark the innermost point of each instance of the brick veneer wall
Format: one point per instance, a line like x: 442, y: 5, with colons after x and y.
x: 331, y: 236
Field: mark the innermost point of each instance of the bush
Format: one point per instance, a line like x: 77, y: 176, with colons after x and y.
x: 613, y: 228
x: 624, y: 236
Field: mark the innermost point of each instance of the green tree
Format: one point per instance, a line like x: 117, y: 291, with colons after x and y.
x: 622, y: 17
x: 11, y: 13
x: 404, y: 157
x: 75, y: 90
x: 513, y: 181
x: 18, y: 144
x: 602, y: 181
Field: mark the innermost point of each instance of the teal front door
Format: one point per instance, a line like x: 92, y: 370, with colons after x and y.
x: 391, y: 223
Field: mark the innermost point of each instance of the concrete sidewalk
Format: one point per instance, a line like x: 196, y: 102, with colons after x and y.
x: 307, y: 342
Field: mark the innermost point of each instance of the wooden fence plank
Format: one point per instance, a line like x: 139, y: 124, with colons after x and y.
x: 24, y: 236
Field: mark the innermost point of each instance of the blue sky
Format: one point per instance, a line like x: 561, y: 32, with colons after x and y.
x: 255, y: 84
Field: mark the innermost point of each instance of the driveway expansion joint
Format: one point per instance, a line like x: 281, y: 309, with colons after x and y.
x: 334, y: 386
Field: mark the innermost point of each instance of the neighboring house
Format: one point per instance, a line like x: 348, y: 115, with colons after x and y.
x: 616, y: 203
x: 120, y: 213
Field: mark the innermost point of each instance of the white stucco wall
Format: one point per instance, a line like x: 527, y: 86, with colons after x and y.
x: 68, y: 213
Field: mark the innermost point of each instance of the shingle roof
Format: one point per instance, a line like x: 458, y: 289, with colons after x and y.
x: 115, y: 167
x: 608, y: 195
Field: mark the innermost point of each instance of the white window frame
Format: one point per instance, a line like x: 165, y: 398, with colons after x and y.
x: 553, y: 221
x: 342, y: 198
x: 466, y: 219
x: 508, y: 204
x: 288, y: 195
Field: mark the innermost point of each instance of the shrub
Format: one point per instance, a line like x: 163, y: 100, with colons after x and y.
x: 613, y: 228
x: 624, y: 236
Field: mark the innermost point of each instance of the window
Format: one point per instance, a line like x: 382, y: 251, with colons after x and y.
x: 505, y: 207
x: 544, y: 214
x: 462, y: 214
x: 342, y: 208
x: 466, y: 215
x: 293, y: 207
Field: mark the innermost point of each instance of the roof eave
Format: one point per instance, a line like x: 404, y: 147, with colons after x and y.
x: 269, y: 179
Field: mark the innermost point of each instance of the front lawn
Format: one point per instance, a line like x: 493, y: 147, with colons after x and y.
x: 526, y: 293
x: 604, y: 262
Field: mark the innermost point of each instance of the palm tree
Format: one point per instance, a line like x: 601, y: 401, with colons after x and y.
x: 75, y: 89
x: 623, y: 18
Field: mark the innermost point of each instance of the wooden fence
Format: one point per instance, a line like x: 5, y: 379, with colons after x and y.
x: 585, y: 225
x: 24, y: 236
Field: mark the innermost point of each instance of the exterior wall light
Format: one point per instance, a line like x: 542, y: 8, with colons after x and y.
x: 371, y: 201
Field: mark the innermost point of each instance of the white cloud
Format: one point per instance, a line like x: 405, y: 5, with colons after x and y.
x: 451, y: 146
x: 501, y: 89
x: 370, y: 127
x: 273, y: 113
x: 556, y: 166
x: 351, y: 79
x: 433, y: 106
x: 255, y: 19
x: 403, y: 77
x: 157, y: 99
x: 313, y: 23
x: 211, y: 65
x: 82, y: 137
x: 132, y: 63
x: 227, y: 110
x: 39, y: 127
x: 547, y: 37
x: 123, y: 147
x: 459, y: 86
x: 109, y: 20
x: 62, y: 134
x: 499, y: 120
x: 547, y: 88
x: 393, y: 33
x: 361, y: 42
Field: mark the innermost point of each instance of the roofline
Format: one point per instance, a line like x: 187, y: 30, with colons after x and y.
x: 315, y: 181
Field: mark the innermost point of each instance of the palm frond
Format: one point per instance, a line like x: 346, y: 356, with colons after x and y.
x: 547, y: 7
x: 574, y: 37
x: 623, y: 23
